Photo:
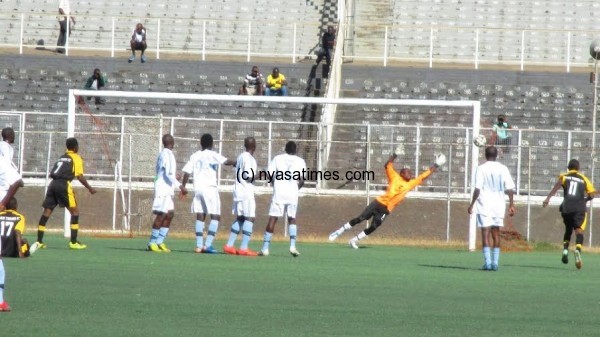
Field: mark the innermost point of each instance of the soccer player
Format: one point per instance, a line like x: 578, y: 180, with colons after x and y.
x: 165, y: 182
x: 492, y: 181
x: 60, y: 192
x: 399, y: 183
x: 577, y: 191
x: 10, y: 181
x: 287, y: 172
x: 12, y: 227
x: 244, y: 205
x: 6, y: 149
x: 202, y: 166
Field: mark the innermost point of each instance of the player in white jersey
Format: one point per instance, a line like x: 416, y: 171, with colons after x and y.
x: 244, y: 205
x: 287, y: 173
x: 10, y: 181
x: 492, y: 181
x: 203, y: 166
x: 6, y: 149
x: 164, y: 184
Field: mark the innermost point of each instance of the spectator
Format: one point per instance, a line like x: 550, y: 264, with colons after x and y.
x: 64, y: 9
x: 138, y: 42
x: 96, y: 82
x: 499, y: 135
x: 253, y: 83
x: 276, y: 84
x: 327, y: 44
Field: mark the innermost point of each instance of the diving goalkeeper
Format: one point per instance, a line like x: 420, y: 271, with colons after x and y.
x: 399, y: 183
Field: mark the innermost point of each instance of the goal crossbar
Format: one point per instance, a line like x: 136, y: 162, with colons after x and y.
x: 474, y: 105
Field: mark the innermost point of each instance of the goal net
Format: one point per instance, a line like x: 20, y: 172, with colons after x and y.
x: 122, y: 140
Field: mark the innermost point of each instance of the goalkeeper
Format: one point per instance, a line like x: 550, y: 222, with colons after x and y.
x: 399, y: 183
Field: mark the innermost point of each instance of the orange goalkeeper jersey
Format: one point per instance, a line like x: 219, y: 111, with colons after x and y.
x: 398, y: 187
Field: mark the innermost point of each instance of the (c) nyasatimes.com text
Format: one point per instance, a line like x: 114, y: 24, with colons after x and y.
x: 305, y: 174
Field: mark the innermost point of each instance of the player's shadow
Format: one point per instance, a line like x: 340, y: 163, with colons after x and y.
x: 130, y: 249
x: 189, y: 251
x: 528, y: 266
x: 446, y: 267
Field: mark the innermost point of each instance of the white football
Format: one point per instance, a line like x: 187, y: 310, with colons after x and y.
x: 479, y: 141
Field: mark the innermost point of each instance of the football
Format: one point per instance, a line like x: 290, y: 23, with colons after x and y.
x: 479, y: 141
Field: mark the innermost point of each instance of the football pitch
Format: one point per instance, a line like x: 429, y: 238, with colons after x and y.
x: 116, y: 288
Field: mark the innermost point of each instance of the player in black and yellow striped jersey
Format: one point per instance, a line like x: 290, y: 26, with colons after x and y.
x: 12, y: 227
x: 577, y: 190
x: 60, y: 192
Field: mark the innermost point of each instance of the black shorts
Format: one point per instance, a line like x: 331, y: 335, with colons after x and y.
x: 9, y: 247
x: 376, y: 210
x: 575, y: 219
x: 138, y: 45
x: 59, y: 193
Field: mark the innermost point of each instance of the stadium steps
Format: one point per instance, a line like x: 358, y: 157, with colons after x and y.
x: 181, y: 22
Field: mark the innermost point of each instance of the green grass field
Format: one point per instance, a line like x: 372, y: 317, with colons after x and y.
x: 115, y: 288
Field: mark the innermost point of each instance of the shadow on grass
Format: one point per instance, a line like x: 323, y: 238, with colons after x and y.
x: 446, y: 267
x: 128, y: 248
x: 533, y: 266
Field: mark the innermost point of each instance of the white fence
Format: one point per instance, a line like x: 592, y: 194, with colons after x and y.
x: 130, y: 143
x: 200, y: 37
x: 429, y: 44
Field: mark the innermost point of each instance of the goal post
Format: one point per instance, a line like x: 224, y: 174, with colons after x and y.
x: 470, y: 108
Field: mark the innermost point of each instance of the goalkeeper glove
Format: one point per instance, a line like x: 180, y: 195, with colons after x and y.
x: 399, y: 150
x: 440, y: 160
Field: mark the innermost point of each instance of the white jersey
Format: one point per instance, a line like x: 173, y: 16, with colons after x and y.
x: 245, y: 169
x: 139, y: 36
x: 203, y: 166
x: 166, y: 168
x: 492, y: 179
x: 6, y: 151
x: 286, y: 170
x: 8, y: 176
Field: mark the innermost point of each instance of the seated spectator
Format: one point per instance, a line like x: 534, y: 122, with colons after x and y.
x: 276, y: 84
x: 96, y: 82
x: 138, y: 42
x: 253, y: 83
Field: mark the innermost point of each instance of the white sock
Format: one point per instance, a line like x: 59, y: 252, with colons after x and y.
x: 495, y: 255
x: 1, y: 281
x: 487, y: 256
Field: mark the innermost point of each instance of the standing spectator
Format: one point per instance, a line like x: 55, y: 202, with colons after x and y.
x: 492, y: 180
x: 202, y: 166
x: 244, y: 205
x: 6, y: 149
x: 138, y: 42
x: 287, y: 170
x: 165, y: 182
x: 253, y: 83
x: 60, y: 192
x: 96, y: 82
x: 276, y: 84
x: 577, y: 191
x: 500, y: 135
x: 327, y: 45
x: 64, y: 9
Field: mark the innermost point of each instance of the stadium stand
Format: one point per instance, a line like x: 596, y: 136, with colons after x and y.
x: 181, y: 23
x: 454, y: 23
